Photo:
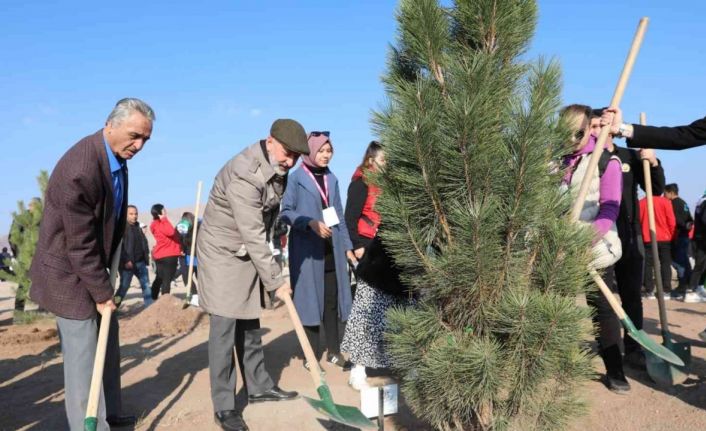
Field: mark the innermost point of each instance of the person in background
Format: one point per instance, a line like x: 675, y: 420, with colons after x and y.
x: 185, y: 227
x: 361, y: 218
x: 318, y: 247
x: 363, y: 222
x: 665, y: 226
x: 681, y: 242
x: 134, y: 258
x: 166, y: 250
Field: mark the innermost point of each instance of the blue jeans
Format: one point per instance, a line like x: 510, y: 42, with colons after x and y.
x: 680, y: 260
x: 139, y: 269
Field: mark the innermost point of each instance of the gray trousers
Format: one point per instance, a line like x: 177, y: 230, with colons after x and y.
x: 78, y: 347
x: 223, y: 335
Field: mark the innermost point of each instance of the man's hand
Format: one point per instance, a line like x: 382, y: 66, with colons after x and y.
x: 320, y: 229
x: 128, y: 264
x: 612, y: 117
x: 284, y: 290
x: 649, y: 154
x: 359, y: 252
x: 100, y: 306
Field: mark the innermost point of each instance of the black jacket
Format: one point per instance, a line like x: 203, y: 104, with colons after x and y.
x: 669, y: 138
x: 683, y: 217
x: 135, y: 248
x: 357, y: 195
x: 378, y: 269
x: 628, y: 221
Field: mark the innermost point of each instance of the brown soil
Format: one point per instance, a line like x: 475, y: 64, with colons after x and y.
x: 165, y: 317
x: 165, y: 376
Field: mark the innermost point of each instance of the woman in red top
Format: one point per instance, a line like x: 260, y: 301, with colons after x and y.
x: 166, y: 250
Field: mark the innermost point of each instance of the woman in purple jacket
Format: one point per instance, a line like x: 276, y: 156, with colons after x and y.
x: 600, y: 211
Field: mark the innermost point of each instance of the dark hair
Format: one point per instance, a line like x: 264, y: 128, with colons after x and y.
x: 132, y: 206
x: 374, y: 147
x: 672, y: 188
x: 156, y: 211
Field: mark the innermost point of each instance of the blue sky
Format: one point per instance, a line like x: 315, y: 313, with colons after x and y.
x: 217, y: 73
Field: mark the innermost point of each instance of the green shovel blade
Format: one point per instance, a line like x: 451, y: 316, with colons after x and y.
x: 90, y: 424
x: 664, y: 373
x: 346, y: 415
x: 650, y: 345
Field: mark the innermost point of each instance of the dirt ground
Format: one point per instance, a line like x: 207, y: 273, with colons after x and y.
x: 165, y: 375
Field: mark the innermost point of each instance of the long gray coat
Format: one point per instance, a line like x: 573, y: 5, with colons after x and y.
x: 232, y: 243
x: 301, y: 204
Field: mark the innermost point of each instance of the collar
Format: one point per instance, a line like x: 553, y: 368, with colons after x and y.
x: 115, y: 163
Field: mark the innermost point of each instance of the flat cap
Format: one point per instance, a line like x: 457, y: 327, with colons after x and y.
x: 291, y: 134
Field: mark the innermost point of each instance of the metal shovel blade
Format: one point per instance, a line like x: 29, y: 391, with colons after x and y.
x: 664, y: 373
x: 650, y: 345
x: 346, y: 415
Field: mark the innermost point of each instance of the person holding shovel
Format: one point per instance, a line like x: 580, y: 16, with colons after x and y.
x: 600, y: 210
x: 84, y: 220
x: 667, y: 138
x: 234, y: 258
x: 628, y: 270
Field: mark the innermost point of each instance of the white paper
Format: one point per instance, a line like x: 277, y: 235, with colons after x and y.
x: 369, y: 400
x: 330, y: 217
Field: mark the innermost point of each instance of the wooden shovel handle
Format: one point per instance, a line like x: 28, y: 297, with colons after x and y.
x: 314, y: 369
x: 99, y: 361
x: 614, y: 304
x: 653, y: 237
x: 615, y: 101
x: 192, y: 252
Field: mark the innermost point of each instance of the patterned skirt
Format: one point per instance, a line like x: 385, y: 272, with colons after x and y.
x: 364, y: 335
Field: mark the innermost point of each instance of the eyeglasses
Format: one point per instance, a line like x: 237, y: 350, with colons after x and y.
x: 317, y: 134
x: 579, y: 135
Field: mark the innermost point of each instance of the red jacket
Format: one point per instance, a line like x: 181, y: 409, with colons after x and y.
x: 369, y: 220
x: 166, y: 239
x: 665, y: 222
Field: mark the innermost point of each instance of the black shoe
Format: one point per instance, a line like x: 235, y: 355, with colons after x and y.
x: 274, y: 394
x: 121, y: 421
x: 338, y: 360
x: 617, y: 384
x: 230, y: 420
x: 636, y: 360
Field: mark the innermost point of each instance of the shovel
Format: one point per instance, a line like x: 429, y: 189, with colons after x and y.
x: 660, y: 371
x: 90, y: 423
x: 192, y: 252
x: 346, y: 415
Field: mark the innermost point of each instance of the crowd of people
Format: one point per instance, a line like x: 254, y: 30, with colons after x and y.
x: 254, y: 193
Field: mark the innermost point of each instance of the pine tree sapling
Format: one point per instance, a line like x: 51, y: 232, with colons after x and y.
x: 24, y: 233
x: 474, y: 216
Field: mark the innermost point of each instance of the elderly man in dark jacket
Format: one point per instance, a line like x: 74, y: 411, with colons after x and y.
x: 83, y: 222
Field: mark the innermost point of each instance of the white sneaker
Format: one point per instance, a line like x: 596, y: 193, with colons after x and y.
x: 194, y: 300
x: 701, y: 292
x: 693, y: 297
x: 357, y: 378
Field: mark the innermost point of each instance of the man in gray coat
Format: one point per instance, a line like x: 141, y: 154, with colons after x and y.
x: 235, y: 258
